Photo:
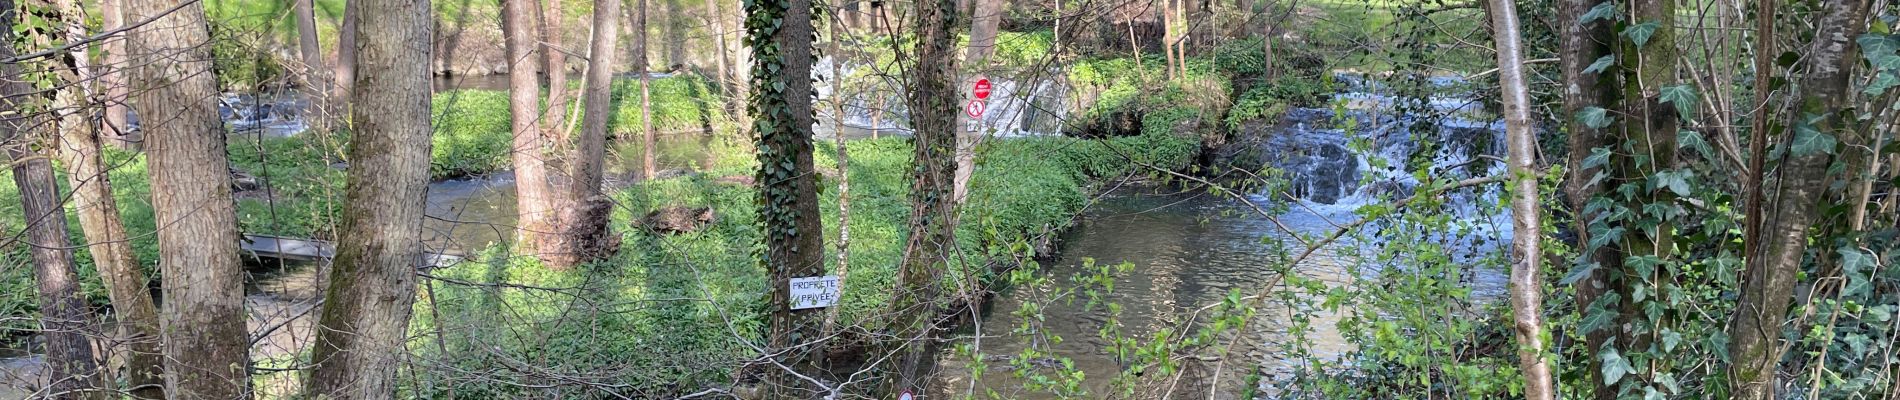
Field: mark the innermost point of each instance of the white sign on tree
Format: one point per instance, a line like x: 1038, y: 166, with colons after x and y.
x: 814, y: 292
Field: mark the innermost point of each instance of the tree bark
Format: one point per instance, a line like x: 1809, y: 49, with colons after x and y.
x: 365, y: 320
x: 1768, y: 284
x: 782, y: 57
x: 203, y: 324
x: 116, y: 129
x: 649, y: 160
x: 316, y: 82
x: 1581, y: 45
x: 1168, y: 34
x: 933, y: 213
x: 717, y: 21
x: 535, y: 199
x: 554, y: 64
x: 583, y: 219
x: 345, y: 75
x: 1527, y: 257
x: 80, y: 152
x: 1647, y: 146
x: 63, y: 313
x: 844, y: 165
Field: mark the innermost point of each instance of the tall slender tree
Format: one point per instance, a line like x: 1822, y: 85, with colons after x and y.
x: 113, y: 86
x: 984, y: 23
x: 1769, y: 281
x: 345, y: 74
x: 649, y: 160
x: 535, y: 198
x: 80, y: 151
x: 316, y: 78
x: 583, y: 218
x: 365, y: 318
x: 554, y: 64
x: 781, y: 34
x: 1527, y: 257
x: 933, y: 212
x: 1583, y: 43
x: 174, y: 92
x: 63, y: 315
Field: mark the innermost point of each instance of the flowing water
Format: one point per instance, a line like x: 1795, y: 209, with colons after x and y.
x: 1189, y: 249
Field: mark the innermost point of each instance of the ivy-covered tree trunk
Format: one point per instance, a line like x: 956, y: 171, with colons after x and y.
x: 1527, y: 257
x: 372, y: 286
x: 535, y: 199
x: 1581, y: 45
x: 64, y: 317
x: 1768, y: 285
x: 781, y: 34
x: 1642, y: 157
x: 933, y: 110
x: 80, y: 152
x: 174, y: 91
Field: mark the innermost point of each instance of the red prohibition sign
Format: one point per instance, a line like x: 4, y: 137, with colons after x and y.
x: 982, y: 89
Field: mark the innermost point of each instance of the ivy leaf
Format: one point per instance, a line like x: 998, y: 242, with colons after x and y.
x: 1614, y: 366
x: 1602, y: 63
x: 1670, y: 339
x: 1577, y: 274
x: 1603, y: 11
x: 1595, y: 117
x: 1598, y: 157
x: 1650, y: 393
x: 1874, y: 47
x: 1882, y: 82
x: 1809, y: 140
x: 1682, y: 96
x: 1640, y: 33
x: 1693, y: 140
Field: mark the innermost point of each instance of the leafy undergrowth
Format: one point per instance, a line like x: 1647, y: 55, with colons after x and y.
x: 672, y: 314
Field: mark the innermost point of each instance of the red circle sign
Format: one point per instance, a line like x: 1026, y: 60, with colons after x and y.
x: 982, y: 89
x: 975, y: 109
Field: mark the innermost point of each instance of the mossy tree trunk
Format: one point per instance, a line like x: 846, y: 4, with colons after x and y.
x: 933, y: 106
x: 781, y: 34
x: 372, y: 286
x: 174, y: 91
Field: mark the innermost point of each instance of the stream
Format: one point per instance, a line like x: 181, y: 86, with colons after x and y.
x: 1189, y: 249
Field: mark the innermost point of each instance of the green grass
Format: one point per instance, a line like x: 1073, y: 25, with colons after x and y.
x: 672, y: 312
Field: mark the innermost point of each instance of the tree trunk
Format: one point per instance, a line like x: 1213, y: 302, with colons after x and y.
x: 583, y: 219
x: 983, y: 27
x: 345, y: 75
x: 554, y: 64
x: 1527, y: 258
x: 844, y: 166
x: 206, y: 343
x: 116, y: 130
x: 1168, y: 34
x: 788, y: 189
x: 717, y: 20
x: 932, y: 218
x: 1647, y: 141
x: 1769, y: 282
x: 63, y: 313
x: 316, y: 83
x: 1581, y: 45
x: 534, y: 194
x: 365, y: 320
x: 649, y: 160
x: 111, y: 250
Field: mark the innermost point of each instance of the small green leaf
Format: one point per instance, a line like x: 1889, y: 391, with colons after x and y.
x: 1614, y: 366
x: 1577, y: 274
x: 1601, y: 64
x: 1682, y: 96
x: 1693, y: 140
x: 1670, y: 339
x: 1640, y: 33
x: 1603, y: 11
x: 1595, y: 117
x: 1809, y: 140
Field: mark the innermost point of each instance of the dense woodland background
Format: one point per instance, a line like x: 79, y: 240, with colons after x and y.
x: 1684, y: 198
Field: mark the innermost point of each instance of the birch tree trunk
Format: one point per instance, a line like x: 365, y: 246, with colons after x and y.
x: 365, y: 319
x: 1527, y: 257
x: 203, y: 323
